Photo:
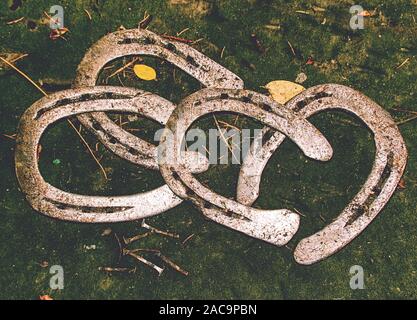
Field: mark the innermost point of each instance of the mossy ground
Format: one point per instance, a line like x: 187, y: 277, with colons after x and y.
x: 222, y: 263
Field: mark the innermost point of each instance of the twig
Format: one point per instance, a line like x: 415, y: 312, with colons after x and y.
x: 404, y: 110
x: 147, y: 19
x: 69, y: 121
x: 182, y: 31
x: 153, y: 229
x: 406, y: 120
x: 120, y: 246
x: 124, y: 67
x: 88, y: 14
x: 136, y: 238
x: 292, y: 48
x: 173, y: 265
x: 89, y: 149
x: 111, y: 269
x: 188, y: 239
x: 10, y: 136
x: 15, y: 21
x: 403, y: 63
x: 148, y: 263
x: 11, y: 65
x: 126, y: 251
x: 173, y: 38
x: 224, y: 139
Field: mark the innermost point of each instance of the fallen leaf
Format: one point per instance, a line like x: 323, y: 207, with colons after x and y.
x: 365, y: 13
x: 310, y: 61
x: 144, y: 72
x: 45, y: 297
x: 282, y: 90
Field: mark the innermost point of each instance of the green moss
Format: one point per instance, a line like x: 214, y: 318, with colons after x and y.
x: 222, y: 263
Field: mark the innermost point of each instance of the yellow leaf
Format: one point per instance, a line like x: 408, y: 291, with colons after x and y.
x: 282, y: 90
x: 144, y: 72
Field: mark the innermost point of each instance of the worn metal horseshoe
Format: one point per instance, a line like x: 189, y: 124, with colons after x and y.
x: 143, y: 42
x: 274, y: 226
x: 389, y: 165
x: 56, y: 203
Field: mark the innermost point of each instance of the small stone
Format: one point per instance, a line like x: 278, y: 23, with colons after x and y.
x: 301, y: 77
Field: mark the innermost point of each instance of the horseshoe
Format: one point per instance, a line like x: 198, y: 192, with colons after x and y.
x: 389, y: 165
x: 67, y: 206
x: 274, y: 226
x: 143, y: 42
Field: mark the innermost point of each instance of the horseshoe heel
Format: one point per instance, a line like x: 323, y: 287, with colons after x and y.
x: 143, y: 42
x: 67, y: 206
x: 274, y: 226
x: 389, y: 165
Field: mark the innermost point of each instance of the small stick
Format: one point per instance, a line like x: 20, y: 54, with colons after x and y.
x: 15, y: 21
x: 224, y: 139
x: 69, y: 121
x: 229, y: 125
x: 298, y: 211
x: 24, y: 75
x: 173, y: 265
x: 124, y: 67
x: 291, y: 47
x: 89, y: 149
x: 153, y: 229
x: 111, y: 269
x: 182, y: 31
x: 197, y: 41
x: 12, y: 136
x: 403, y: 63
x: 222, y: 53
x: 405, y: 110
x: 148, y: 263
x: 147, y: 19
x: 126, y: 251
x: 406, y: 120
x: 136, y: 238
x: 88, y: 14
x: 173, y: 38
x: 188, y: 239
x: 120, y: 246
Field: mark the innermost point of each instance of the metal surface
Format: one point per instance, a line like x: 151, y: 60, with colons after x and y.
x: 67, y: 206
x: 143, y: 42
x: 273, y: 226
x: 224, y: 94
x: 390, y: 161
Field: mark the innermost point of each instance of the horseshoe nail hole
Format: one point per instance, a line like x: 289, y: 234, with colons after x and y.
x: 96, y: 126
x: 246, y: 99
x: 148, y: 41
x: 192, y: 61
x: 266, y: 107
x: 171, y: 47
x: 189, y: 192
